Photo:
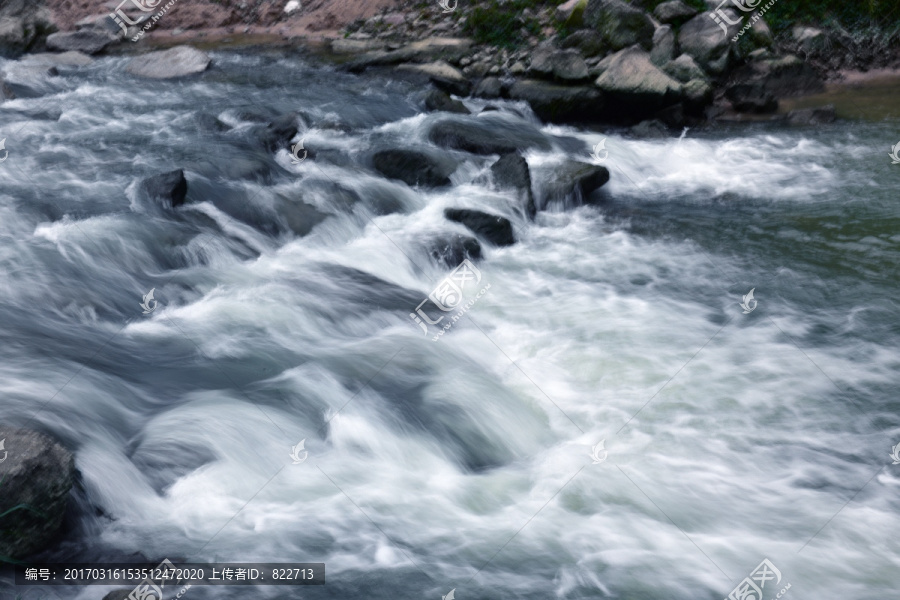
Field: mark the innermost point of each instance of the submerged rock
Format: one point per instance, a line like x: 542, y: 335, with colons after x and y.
x: 36, y: 476
x: 175, y: 62
x: 812, y: 116
x: 512, y: 171
x: 280, y: 131
x: 494, y: 228
x: 751, y: 97
x: 440, y: 101
x: 454, y: 249
x: 169, y: 187
x: 486, y: 136
x: 415, y: 167
x: 573, y: 179
x: 72, y: 58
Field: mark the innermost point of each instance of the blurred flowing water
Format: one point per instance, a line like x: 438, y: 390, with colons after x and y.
x: 285, y: 292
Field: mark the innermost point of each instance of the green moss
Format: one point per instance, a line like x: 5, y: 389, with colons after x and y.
x: 502, y: 23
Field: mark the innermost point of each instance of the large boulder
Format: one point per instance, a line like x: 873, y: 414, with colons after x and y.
x: 706, y: 42
x: 809, y: 39
x: 620, y: 24
x: 663, y: 45
x: 23, y: 25
x: 674, y: 12
x: 64, y: 59
x: 573, y: 180
x: 634, y: 87
x: 751, y: 97
x: 698, y: 94
x: 169, y: 188
x: 782, y: 77
x: 684, y: 68
x: 88, y: 41
x: 489, y: 87
x: 564, y: 65
x: 512, y: 171
x: 440, y: 101
x: 571, y: 13
x: 36, y: 475
x: 495, y: 229
x: 442, y: 75
x: 559, y: 103
x: 486, y: 136
x: 587, y: 41
x: 175, y: 62
x: 414, y: 167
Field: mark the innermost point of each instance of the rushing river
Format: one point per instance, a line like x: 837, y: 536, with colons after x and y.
x: 284, y: 297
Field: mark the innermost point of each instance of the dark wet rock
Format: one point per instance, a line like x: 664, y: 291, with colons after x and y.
x: 634, y: 87
x: 586, y: 41
x: 179, y: 61
x: 620, y: 24
x: 208, y: 122
x: 812, y: 116
x: 512, y: 171
x: 88, y: 41
x: 442, y: 75
x: 170, y: 187
x: 296, y: 216
x: 663, y: 46
x: 486, y: 135
x: 783, y: 77
x: 573, y: 179
x: 6, y: 92
x: 674, y: 11
x: 489, y: 87
x: 24, y: 24
x: 440, y: 101
x: 559, y: 103
x: 706, y: 42
x: 809, y: 39
x: 751, y: 97
x: 279, y: 132
x: 415, y: 167
x: 36, y: 476
x: 120, y: 594
x: 650, y: 129
x: 452, y: 250
x: 494, y: 228
x: 698, y: 94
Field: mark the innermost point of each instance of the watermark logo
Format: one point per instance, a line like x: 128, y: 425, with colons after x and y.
x: 447, y: 296
x: 148, y: 589
x: 598, y: 148
x: 5, y: 453
x: 6, y: 152
x: 749, y: 303
x: 120, y: 18
x: 599, y: 453
x: 751, y: 588
x: 445, y: 4
x: 450, y: 596
x: 721, y: 17
x: 146, y: 304
x: 296, y: 450
x: 295, y: 152
x: 895, y: 453
x: 895, y: 150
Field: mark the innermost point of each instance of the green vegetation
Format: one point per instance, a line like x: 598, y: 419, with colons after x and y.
x: 853, y: 15
x: 503, y: 24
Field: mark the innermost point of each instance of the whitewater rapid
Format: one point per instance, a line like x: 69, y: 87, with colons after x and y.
x: 464, y: 463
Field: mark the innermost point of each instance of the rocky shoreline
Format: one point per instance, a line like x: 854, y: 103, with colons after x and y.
x: 601, y: 61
